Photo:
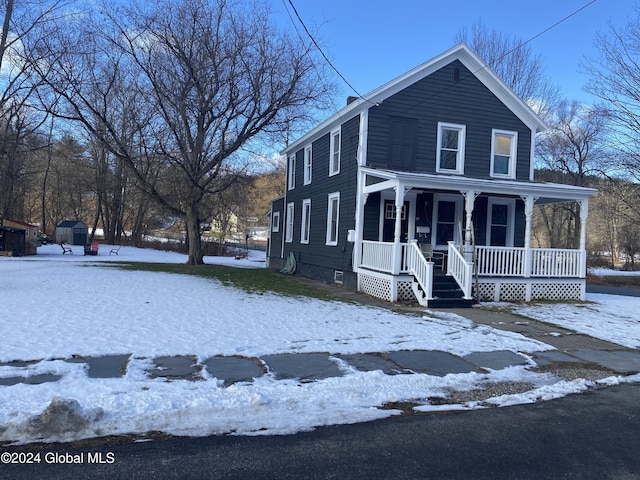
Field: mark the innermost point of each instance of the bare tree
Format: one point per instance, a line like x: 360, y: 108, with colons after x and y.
x: 514, y: 62
x: 20, y: 118
x: 573, y: 150
x: 205, y: 77
x: 615, y: 78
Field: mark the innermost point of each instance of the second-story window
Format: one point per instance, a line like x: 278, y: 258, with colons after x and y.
x: 291, y: 172
x: 334, y: 160
x: 450, y: 153
x: 307, y: 165
x: 503, y: 154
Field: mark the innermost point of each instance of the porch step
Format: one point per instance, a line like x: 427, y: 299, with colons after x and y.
x: 447, y: 294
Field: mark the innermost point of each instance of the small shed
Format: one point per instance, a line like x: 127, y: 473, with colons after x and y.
x: 73, y: 232
x: 12, y: 241
x: 31, y: 234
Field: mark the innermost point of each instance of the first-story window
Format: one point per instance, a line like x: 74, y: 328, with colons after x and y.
x: 289, y: 228
x: 306, y: 221
x: 503, y: 154
x: 333, y: 213
x: 500, y: 221
x: 275, y: 222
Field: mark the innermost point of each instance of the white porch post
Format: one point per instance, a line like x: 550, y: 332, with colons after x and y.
x: 397, y: 232
x: 361, y: 200
x: 529, y: 201
x: 470, y: 198
x: 584, y: 213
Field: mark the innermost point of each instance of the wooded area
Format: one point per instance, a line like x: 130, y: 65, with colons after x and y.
x: 155, y: 114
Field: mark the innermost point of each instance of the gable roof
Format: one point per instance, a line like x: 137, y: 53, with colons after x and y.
x: 71, y: 223
x: 19, y: 222
x: 460, y: 52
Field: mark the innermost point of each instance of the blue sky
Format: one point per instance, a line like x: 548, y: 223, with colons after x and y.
x: 374, y: 41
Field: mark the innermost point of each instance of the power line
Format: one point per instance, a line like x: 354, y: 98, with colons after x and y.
x: 322, y: 52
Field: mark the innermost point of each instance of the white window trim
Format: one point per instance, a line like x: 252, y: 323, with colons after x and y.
x: 275, y: 222
x: 291, y: 172
x: 305, y: 226
x: 331, y: 198
x: 289, y: 226
x: 332, y: 170
x: 462, y: 129
x: 308, y: 165
x: 513, y: 153
x: 511, y: 218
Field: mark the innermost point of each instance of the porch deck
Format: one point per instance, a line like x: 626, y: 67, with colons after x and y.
x: 388, y: 270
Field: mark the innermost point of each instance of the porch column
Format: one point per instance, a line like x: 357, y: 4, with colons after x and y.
x: 529, y: 202
x: 584, y: 213
x: 470, y: 198
x: 397, y: 232
x: 361, y: 201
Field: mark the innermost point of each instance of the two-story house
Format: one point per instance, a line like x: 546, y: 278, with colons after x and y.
x: 428, y: 176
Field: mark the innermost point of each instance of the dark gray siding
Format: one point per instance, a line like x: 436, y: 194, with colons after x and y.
x: 439, y: 98
x: 316, y: 259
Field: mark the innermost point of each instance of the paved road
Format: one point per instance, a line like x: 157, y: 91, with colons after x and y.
x: 629, y: 292
x: 594, y: 435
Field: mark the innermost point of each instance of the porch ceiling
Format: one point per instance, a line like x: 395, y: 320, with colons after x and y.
x: 544, y: 192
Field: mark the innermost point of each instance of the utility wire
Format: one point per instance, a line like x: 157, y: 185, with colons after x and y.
x: 322, y: 52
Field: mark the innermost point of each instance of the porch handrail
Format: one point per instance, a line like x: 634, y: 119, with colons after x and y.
x: 460, y: 270
x: 418, y: 266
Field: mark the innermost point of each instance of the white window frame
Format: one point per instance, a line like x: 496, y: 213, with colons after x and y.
x: 275, y: 222
x: 511, y: 218
x: 334, y: 152
x: 462, y: 133
x: 512, y: 154
x: 289, y: 226
x: 305, y: 226
x: 332, y: 236
x: 308, y: 165
x: 291, y: 172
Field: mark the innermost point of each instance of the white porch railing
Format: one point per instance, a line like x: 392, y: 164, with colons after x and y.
x: 379, y: 256
x: 460, y: 269
x: 552, y: 262
x: 500, y: 261
x: 545, y: 262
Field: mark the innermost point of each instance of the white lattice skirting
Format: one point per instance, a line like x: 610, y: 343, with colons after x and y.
x: 521, y: 290
x: 385, y: 287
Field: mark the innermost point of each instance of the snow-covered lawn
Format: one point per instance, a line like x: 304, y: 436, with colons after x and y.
x: 55, y: 306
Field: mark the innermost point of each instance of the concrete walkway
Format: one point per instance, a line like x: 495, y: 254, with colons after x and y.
x: 590, y: 356
x: 574, y: 351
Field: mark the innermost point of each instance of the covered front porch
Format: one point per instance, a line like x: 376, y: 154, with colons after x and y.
x: 411, y: 227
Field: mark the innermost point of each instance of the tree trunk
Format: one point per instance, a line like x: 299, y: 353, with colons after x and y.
x: 192, y: 222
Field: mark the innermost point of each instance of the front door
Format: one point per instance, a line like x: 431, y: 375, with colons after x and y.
x: 389, y: 221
